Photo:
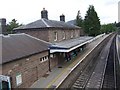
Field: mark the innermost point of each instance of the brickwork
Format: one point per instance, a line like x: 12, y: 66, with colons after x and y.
x: 31, y: 69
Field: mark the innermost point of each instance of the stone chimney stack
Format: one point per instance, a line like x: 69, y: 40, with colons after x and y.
x: 44, y: 14
x: 3, y: 29
x: 62, y: 18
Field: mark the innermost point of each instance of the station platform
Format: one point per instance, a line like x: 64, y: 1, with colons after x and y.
x: 57, y: 75
x: 118, y: 46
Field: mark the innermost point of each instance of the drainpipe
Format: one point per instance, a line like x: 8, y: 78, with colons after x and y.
x: 49, y: 59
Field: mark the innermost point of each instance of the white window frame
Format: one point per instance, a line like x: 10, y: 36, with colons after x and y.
x: 18, y: 79
x: 27, y: 59
x: 44, y: 59
x: 41, y: 59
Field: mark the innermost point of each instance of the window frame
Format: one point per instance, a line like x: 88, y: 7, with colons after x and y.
x: 55, y: 36
x: 64, y: 35
x: 72, y: 34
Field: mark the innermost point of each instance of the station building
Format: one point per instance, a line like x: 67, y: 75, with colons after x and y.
x: 38, y: 47
x: 65, y: 38
x: 50, y: 30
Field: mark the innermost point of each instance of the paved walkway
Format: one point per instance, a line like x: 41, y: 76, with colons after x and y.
x: 59, y: 74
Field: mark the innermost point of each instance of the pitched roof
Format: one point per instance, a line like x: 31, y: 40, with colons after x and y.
x: 16, y: 46
x: 73, y: 22
x: 44, y: 23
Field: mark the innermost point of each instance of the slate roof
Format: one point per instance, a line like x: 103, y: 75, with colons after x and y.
x: 70, y: 43
x: 73, y: 22
x: 16, y: 46
x: 44, y: 23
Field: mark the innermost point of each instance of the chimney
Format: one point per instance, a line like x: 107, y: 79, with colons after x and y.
x: 3, y: 29
x: 44, y: 14
x: 62, y: 18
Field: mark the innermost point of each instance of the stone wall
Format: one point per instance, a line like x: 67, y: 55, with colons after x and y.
x: 49, y: 36
x: 30, y: 68
x: 60, y: 35
x: 38, y: 33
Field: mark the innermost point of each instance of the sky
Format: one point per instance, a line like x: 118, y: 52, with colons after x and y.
x: 26, y: 11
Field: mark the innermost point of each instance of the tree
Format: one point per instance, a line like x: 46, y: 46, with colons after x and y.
x: 13, y: 24
x: 118, y: 24
x: 79, y: 20
x: 92, y: 22
x: 107, y: 28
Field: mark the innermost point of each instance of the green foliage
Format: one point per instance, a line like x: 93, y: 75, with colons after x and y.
x: 92, y: 22
x: 13, y: 24
x: 107, y: 28
x: 118, y: 24
x: 79, y: 20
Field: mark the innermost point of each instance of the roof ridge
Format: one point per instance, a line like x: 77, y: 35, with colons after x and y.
x: 45, y: 23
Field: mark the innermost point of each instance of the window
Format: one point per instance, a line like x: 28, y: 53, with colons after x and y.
x: 27, y: 59
x: 76, y: 33
x: 55, y: 36
x: 40, y: 59
x: 43, y: 59
x: 72, y: 34
x: 18, y: 79
x: 63, y: 34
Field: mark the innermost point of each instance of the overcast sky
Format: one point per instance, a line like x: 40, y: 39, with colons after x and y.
x: 26, y: 11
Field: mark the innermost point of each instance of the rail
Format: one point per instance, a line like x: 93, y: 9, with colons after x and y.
x: 109, y: 79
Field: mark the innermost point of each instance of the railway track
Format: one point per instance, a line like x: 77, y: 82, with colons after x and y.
x: 101, y: 71
x: 110, y: 74
x: 83, y: 79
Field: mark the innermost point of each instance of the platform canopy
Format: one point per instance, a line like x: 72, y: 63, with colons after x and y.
x: 69, y: 45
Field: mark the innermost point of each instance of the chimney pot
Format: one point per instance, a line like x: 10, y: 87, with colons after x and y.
x: 44, y: 14
x: 62, y: 18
